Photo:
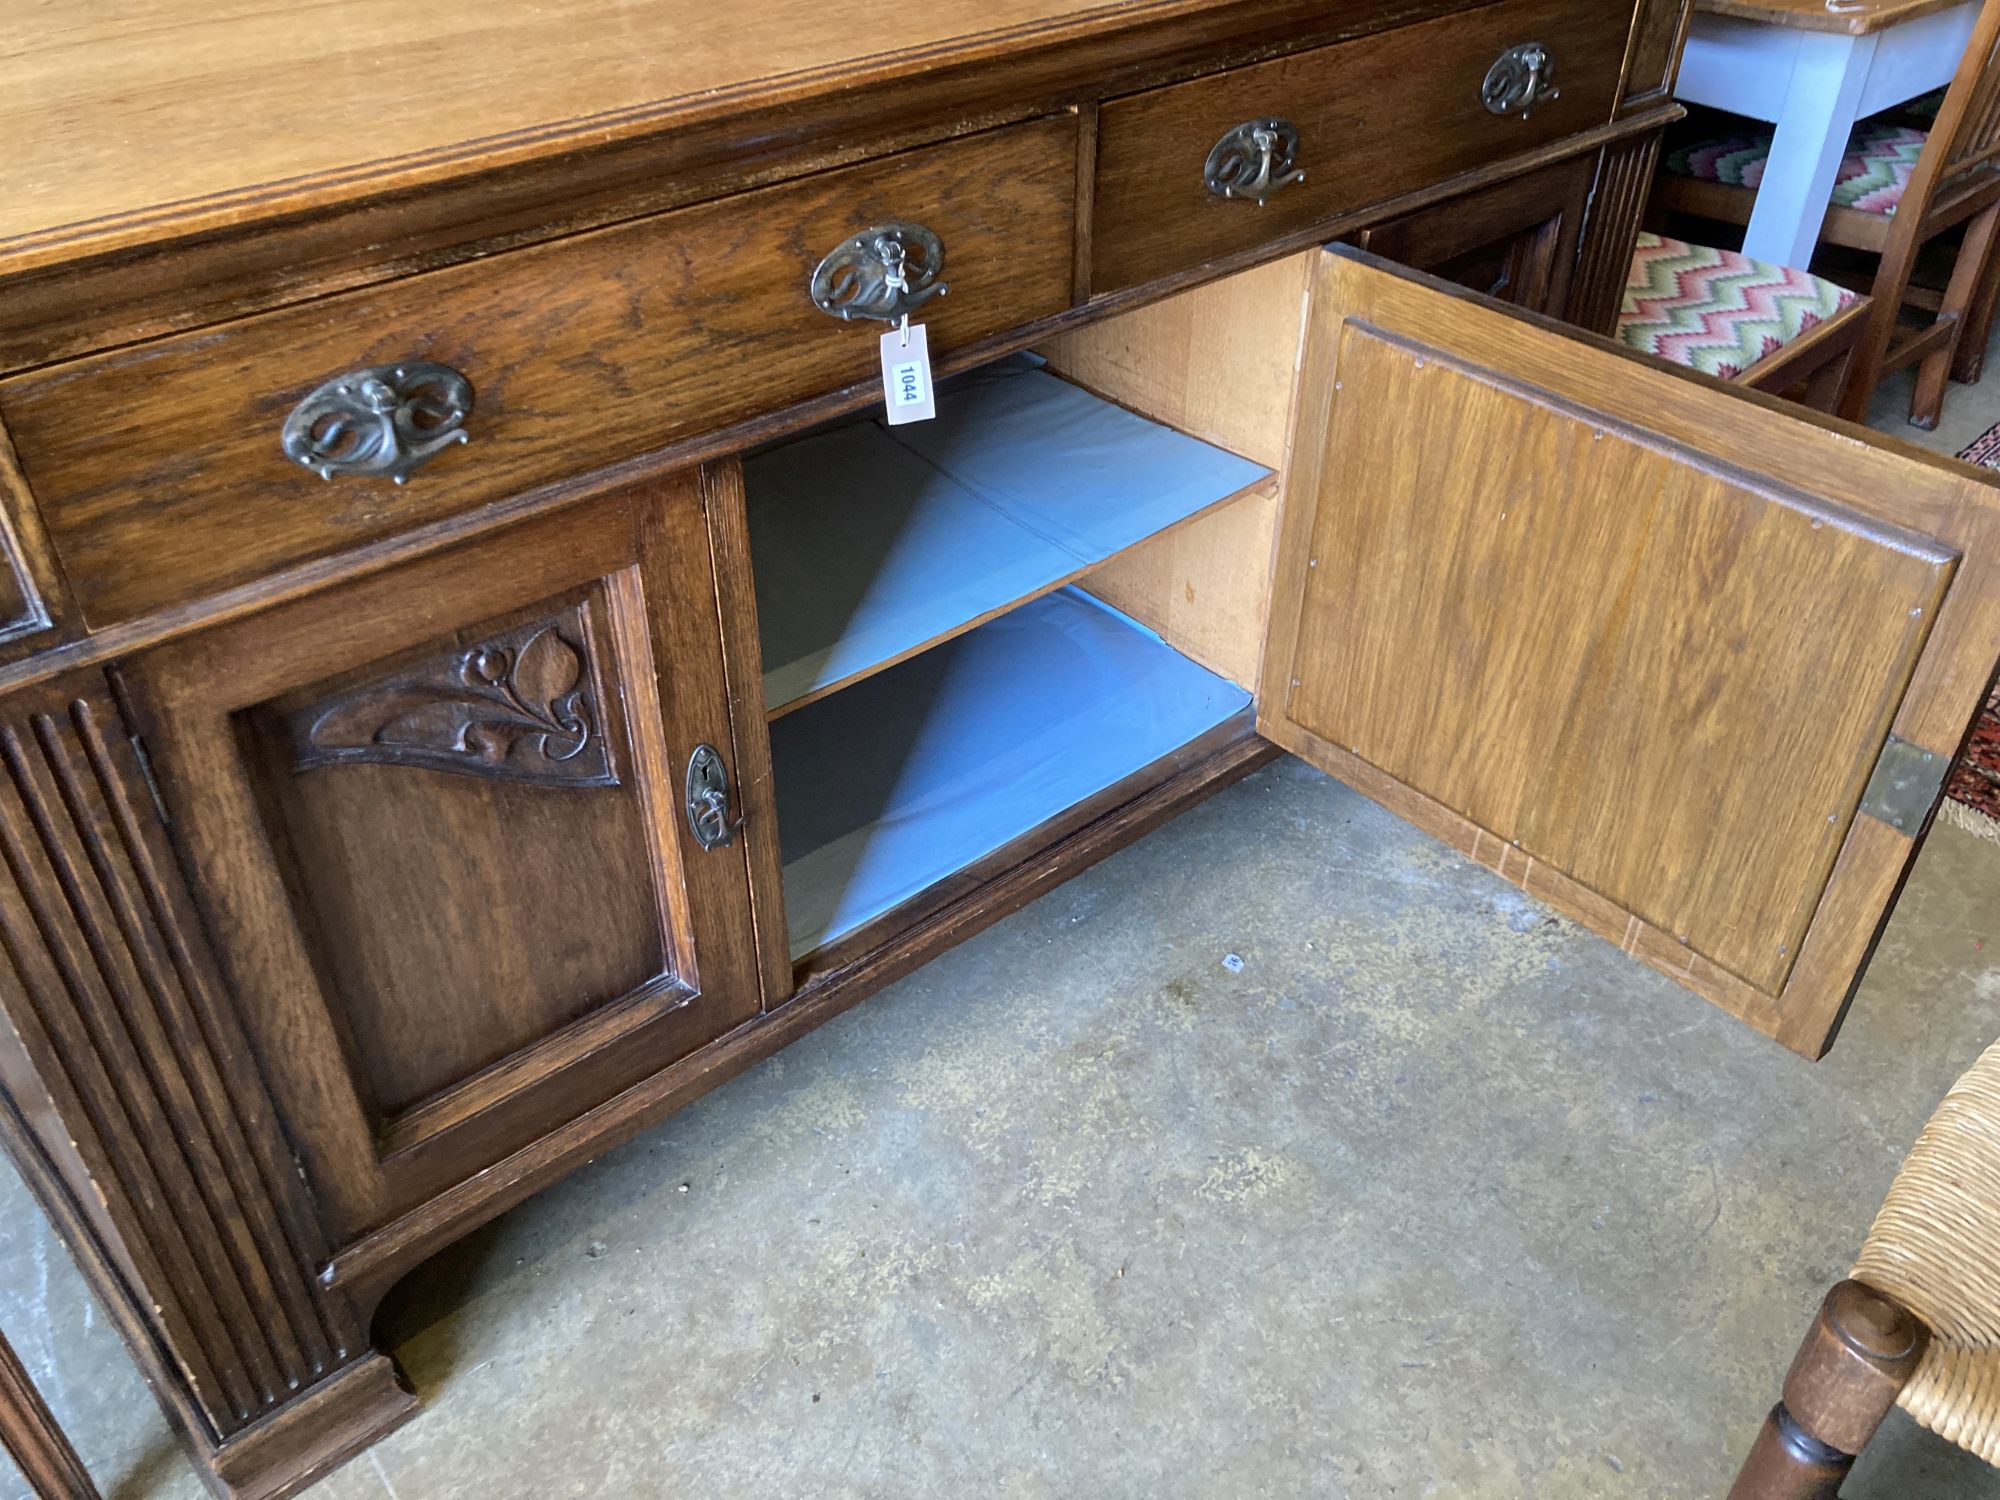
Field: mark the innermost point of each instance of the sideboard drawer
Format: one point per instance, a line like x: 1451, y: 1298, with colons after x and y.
x: 159, y: 469
x: 1376, y: 117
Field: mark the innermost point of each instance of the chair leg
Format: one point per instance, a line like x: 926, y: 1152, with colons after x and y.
x: 1970, y: 361
x: 29, y: 1433
x: 1856, y: 1359
x: 1967, y: 278
x: 1872, y: 348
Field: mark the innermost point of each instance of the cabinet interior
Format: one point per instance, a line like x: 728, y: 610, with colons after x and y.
x: 1044, y: 600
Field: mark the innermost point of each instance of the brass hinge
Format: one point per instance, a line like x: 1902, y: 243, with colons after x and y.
x: 1905, y: 785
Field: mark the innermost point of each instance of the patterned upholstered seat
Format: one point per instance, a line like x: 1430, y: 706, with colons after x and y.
x: 1880, y: 157
x: 1718, y: 311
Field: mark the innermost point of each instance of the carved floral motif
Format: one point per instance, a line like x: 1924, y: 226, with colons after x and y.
x: 517, y: 707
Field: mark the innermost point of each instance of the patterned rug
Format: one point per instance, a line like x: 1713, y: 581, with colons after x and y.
x: 1973, y: 792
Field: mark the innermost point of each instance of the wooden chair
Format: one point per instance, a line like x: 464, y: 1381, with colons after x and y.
x: 1899, y: 188
x: 1917, y: 1326
x: 29, y: 1433
x: 1769, y: 327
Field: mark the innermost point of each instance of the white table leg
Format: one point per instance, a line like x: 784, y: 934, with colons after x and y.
x: 1828, y: 77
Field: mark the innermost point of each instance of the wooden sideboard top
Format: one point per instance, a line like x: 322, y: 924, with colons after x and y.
x: 150, y: 121
x: 1857, y: 17
x: 117, y: 111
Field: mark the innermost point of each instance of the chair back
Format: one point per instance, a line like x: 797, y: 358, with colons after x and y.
x: 1958, y: 161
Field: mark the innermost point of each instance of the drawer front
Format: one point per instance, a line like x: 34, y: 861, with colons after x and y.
x: 159, y: 469
x: 1384, y: 115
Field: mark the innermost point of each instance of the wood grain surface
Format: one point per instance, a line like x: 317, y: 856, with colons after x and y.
x: 1515, y: 241
x: 32, y: 1438
x: 158, y: 469
x: 342, y: 923
x: 1658, y: 31
x: 1218, y: 362
x: 156, y: 1114
x: 1631, y: 639
x: 1375, y: 116
x: 1855, y: 17
x: 101, y: 104
x: 154, y: 268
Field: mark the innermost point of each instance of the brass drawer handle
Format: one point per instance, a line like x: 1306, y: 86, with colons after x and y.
x: 886, y: 272
x: 1523, y: 77
x: 386, y: 419
x: 1254, y: 160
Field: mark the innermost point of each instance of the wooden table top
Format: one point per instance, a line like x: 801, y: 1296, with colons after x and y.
x: 112, y: 109
x: 1855, y: 17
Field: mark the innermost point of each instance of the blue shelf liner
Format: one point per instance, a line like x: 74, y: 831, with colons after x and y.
x: 890, y: 785
x: 870, y: 541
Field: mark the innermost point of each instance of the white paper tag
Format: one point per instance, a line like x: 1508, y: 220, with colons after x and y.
x: 906, y: 375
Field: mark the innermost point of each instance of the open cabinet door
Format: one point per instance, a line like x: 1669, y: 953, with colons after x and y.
x: 1683, y: 664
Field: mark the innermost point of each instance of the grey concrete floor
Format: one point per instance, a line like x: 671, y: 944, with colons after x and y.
x: 1434, y: 1195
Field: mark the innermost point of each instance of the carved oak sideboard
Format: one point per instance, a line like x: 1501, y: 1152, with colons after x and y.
x: 478, y: 670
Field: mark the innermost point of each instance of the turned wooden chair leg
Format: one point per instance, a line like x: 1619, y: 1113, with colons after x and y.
x: 1859, y: 1354
x: 29, y: 1433
x: 1960, y: 293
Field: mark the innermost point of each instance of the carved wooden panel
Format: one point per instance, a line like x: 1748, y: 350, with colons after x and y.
x: 525, y: 715
x: 437, y: 816
x: 519, y: 705
x: 126, y: 1057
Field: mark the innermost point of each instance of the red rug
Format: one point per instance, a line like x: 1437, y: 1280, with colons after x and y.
x: 1974, y: 788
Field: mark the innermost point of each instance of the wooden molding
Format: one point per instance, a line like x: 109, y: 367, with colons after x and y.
x: 117, y: 1006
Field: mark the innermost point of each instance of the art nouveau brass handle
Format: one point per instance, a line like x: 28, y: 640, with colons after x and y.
x: 386, y: 419
x: 1524, y: 77
x: 885, y: 272
x: 1254, y: 160
x: 707, y: 800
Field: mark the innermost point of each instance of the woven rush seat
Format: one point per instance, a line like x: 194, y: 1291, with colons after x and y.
x: 1935, y: 1249
x: 1718, y: 311
x: 1881, y: 154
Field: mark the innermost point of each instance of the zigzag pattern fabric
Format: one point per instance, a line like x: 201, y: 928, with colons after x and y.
x: 1880, y: 158
x: 1718, y: 311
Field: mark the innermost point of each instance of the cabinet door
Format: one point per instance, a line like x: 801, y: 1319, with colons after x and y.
x: 1680, y: 661
x: 1515, y: 241
x: 438, y: 819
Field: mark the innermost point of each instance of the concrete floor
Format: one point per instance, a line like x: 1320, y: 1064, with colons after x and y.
x: 1433, y: 1195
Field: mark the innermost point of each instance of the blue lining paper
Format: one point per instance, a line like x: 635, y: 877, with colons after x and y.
x: 892, y: 784
x: 869, y: 542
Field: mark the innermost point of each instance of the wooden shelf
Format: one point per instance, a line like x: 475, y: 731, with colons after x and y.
x: 903, y: 780
x: 871, y: 544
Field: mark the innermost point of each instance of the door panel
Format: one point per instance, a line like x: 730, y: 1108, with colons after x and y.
x: 1633, y: 640
x: 438, y: 816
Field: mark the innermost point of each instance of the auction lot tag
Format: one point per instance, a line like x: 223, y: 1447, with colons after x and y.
x: 906, y: 374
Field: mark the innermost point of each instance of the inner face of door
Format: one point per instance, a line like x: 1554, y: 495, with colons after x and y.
x: 1633, y: 640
